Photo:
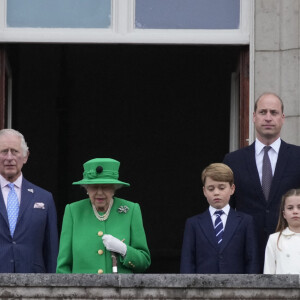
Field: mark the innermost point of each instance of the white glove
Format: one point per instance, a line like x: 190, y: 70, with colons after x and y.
x: 113, y: 244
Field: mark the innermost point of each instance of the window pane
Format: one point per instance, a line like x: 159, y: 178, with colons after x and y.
x: 187, y: 14
x: 59, y: 13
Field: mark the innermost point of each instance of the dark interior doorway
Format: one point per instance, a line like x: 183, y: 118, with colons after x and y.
x: 162, y: 110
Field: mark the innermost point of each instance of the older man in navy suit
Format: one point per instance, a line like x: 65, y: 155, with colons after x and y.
x: 28, y: 222
x: 265, y: 170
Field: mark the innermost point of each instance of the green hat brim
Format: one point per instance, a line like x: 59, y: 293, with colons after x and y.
x: 101, y: 181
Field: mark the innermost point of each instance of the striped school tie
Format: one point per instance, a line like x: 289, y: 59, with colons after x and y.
x: 219, y: 229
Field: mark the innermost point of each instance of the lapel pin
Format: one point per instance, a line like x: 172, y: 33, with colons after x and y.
x: 123, y: 209
x: 30, y: 190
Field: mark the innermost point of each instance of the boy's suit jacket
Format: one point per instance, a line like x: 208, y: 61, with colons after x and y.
x: 237, y: 253
x: 249, y: 197
x: 34, y: 246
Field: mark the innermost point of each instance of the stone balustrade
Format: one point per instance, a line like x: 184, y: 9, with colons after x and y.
x: 148, y: 286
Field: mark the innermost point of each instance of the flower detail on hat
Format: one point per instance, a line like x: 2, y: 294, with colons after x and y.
x: 91, y: 174
x: 94, y: 173
x: 123, y: 209
x: 99, y: 169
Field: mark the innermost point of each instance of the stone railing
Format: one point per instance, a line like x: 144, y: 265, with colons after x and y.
x: 148, y: 286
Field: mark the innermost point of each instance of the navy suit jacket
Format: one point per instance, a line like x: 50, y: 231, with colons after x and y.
x: 34, y: 246
x: 249, y: 197
x: 237, y: 253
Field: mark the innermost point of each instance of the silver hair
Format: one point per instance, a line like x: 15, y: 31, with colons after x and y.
x: 13, y: 132
x: 116, y: 186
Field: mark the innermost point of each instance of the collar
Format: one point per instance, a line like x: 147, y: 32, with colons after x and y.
x: 226, y: 209
x: 259, y: 146
x: 17, y: 183
x: 287, y: 232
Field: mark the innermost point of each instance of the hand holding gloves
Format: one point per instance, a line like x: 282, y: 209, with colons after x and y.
x: 113, y: 244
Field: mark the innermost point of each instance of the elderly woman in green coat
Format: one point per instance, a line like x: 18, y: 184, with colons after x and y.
x: 102, y: 228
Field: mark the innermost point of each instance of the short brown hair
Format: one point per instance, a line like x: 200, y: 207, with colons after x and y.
x: 265, y: 94
x: 218, y: 172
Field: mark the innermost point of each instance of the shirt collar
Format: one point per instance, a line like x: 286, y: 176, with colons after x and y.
x: 259, y: 146
x: 226, y: 209
x: 288, y: 232
x: 17, y: 183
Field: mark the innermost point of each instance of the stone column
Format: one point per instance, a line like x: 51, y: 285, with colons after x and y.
x: 276, y: 58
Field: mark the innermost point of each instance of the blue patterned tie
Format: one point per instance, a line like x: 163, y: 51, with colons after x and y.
x: 219, y: 229
x: 12, y: 208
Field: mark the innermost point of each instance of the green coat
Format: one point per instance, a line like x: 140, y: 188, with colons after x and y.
x: 81, y: 239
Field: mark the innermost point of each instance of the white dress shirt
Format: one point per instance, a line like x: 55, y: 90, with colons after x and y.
x: 223, y: 216
x: 284, y: 258
x: 5, y: 188
x: 273, y: 155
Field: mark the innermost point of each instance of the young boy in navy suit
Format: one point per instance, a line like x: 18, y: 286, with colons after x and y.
x: 220, y: 240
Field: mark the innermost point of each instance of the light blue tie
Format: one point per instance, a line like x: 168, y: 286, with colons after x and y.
x: 12, y: 208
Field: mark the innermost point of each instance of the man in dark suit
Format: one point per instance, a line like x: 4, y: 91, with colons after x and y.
x: 28, y: 222
x: 255, y: 195
x: 220, y: 240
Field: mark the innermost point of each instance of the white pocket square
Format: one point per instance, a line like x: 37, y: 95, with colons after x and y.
x: 39, y: 205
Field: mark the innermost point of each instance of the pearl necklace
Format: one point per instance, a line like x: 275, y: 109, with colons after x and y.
x: 106, y: 215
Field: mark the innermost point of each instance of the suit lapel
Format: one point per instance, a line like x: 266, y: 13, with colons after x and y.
x: 283, y: 157
x: 26, y: 198
x: 232, y: 223
x: 3, y: 210
x: 206, y: 225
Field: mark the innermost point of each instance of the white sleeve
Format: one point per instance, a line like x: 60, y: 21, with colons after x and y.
x: 270, y: 256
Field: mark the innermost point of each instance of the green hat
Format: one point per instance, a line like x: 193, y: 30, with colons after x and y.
x: 101, y: 171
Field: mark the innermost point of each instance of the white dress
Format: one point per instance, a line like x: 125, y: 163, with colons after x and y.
x: 283, y: 258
